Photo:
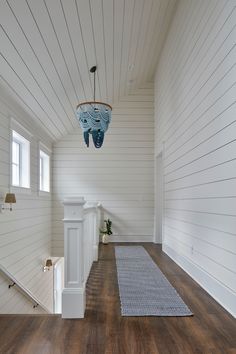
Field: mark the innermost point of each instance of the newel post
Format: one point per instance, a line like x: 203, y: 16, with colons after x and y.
x: 73, y: 295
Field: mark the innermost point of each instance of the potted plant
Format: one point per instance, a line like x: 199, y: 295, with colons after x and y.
x: 106, y: 232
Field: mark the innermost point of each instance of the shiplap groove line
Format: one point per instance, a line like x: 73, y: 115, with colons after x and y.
x: 23, y: 238
x: 36, y: 57
x: 129, y: 36
x: 32, y: 277
x: 21, y: 303
x: 196, y: 107
x: 200, y: 157
x: 27, y: 217
x: 113, y: 51
x: 200, y: 212
x: 36, y: 243
x: 130, y: 60
x: 95, y: 51
x: 200, y: 239
x: 204, y: 256
x: 20, y: 229
x: 205, y: 140
x: 172, y: 55
x: 104, y: 48
x: 48, y: 51
x: 82, y: 38
x: 36, y: 81
x: 205, y: 40
x: 32, y: 282
x: 23, y: 272
x: 192, y: 48
x: 202, y: 268
x: 156, y: 19
x: 194, y: 97
x: 158, y: 40
x: 62, y: 54
x: 4, y: 137
x: 200, y: 130
x: 4, y: 151
x: 49, y: 122
x: 199, y: 171
x: 202, y: 226
x: 72, y: 46
x: 201, y: 74
x: 201, y: 184
x: 24, y: 102
x: 202, y: 198
x: 145, y: 36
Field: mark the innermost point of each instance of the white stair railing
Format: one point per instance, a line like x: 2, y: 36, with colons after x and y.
x: 16, y: 283
x: 81, y: 239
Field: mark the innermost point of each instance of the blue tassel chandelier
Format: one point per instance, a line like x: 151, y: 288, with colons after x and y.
x: 94, y: 118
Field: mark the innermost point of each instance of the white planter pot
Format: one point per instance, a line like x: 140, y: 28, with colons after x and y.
x: 105, y: 239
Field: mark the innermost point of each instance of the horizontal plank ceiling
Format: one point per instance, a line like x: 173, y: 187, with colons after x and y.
x: 48, y: 46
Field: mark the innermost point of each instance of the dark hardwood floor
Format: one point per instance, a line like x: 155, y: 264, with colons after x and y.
x: 103, y: 331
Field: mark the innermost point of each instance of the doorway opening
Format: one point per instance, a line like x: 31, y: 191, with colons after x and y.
x: 159, y: 199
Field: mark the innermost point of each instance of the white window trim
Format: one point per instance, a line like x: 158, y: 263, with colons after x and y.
x: 25, y: 133
x: 47, y: 151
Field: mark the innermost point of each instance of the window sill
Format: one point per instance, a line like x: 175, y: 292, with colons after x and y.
x: 20, y: 190
x: 44, y: 194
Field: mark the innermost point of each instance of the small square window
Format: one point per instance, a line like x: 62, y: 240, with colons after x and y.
x: 44, y: 171
x: 20, y: 161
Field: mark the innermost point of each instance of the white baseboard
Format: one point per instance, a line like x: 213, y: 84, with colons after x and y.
x: 224, y: 296
x: 73, y: 302
x: 134, y: 238
x: 95, y: 253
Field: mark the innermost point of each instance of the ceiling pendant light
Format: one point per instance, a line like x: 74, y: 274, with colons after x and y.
x: 94, y: 118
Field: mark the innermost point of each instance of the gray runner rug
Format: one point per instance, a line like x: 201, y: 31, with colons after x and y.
x: 144, y: 290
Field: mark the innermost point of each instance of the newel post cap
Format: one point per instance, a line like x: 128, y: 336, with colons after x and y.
x: 74, y: 201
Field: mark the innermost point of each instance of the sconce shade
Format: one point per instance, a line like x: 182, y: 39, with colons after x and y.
x: 10, y: 198
x: 48, y: 263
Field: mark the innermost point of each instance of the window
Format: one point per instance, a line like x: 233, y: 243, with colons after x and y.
x: 44, y: 171
x: 20, y: 161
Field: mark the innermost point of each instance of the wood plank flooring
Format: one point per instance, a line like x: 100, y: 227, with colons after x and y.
x: 103, y: 331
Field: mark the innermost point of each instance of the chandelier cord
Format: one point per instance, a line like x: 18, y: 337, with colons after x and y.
x: 94, y: 87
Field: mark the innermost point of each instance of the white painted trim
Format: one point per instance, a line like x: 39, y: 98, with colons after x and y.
x: 20, y: 129
x: 159, y: 198
x: 73, y: 302
x: 43, y: 193
x: 20, y: 190
x: 223, y: 295
x: 127, y: 238
x: 44, y: 148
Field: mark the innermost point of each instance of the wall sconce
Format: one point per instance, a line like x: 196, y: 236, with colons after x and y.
x: 9, y: 199
x: 48, y: 265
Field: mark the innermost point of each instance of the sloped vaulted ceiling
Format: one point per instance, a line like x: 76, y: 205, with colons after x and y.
x: 48, y: 46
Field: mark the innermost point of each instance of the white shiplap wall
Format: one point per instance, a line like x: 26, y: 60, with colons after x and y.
x: 25, y: 233
x: 195, y: 115
x: 119, y: 175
